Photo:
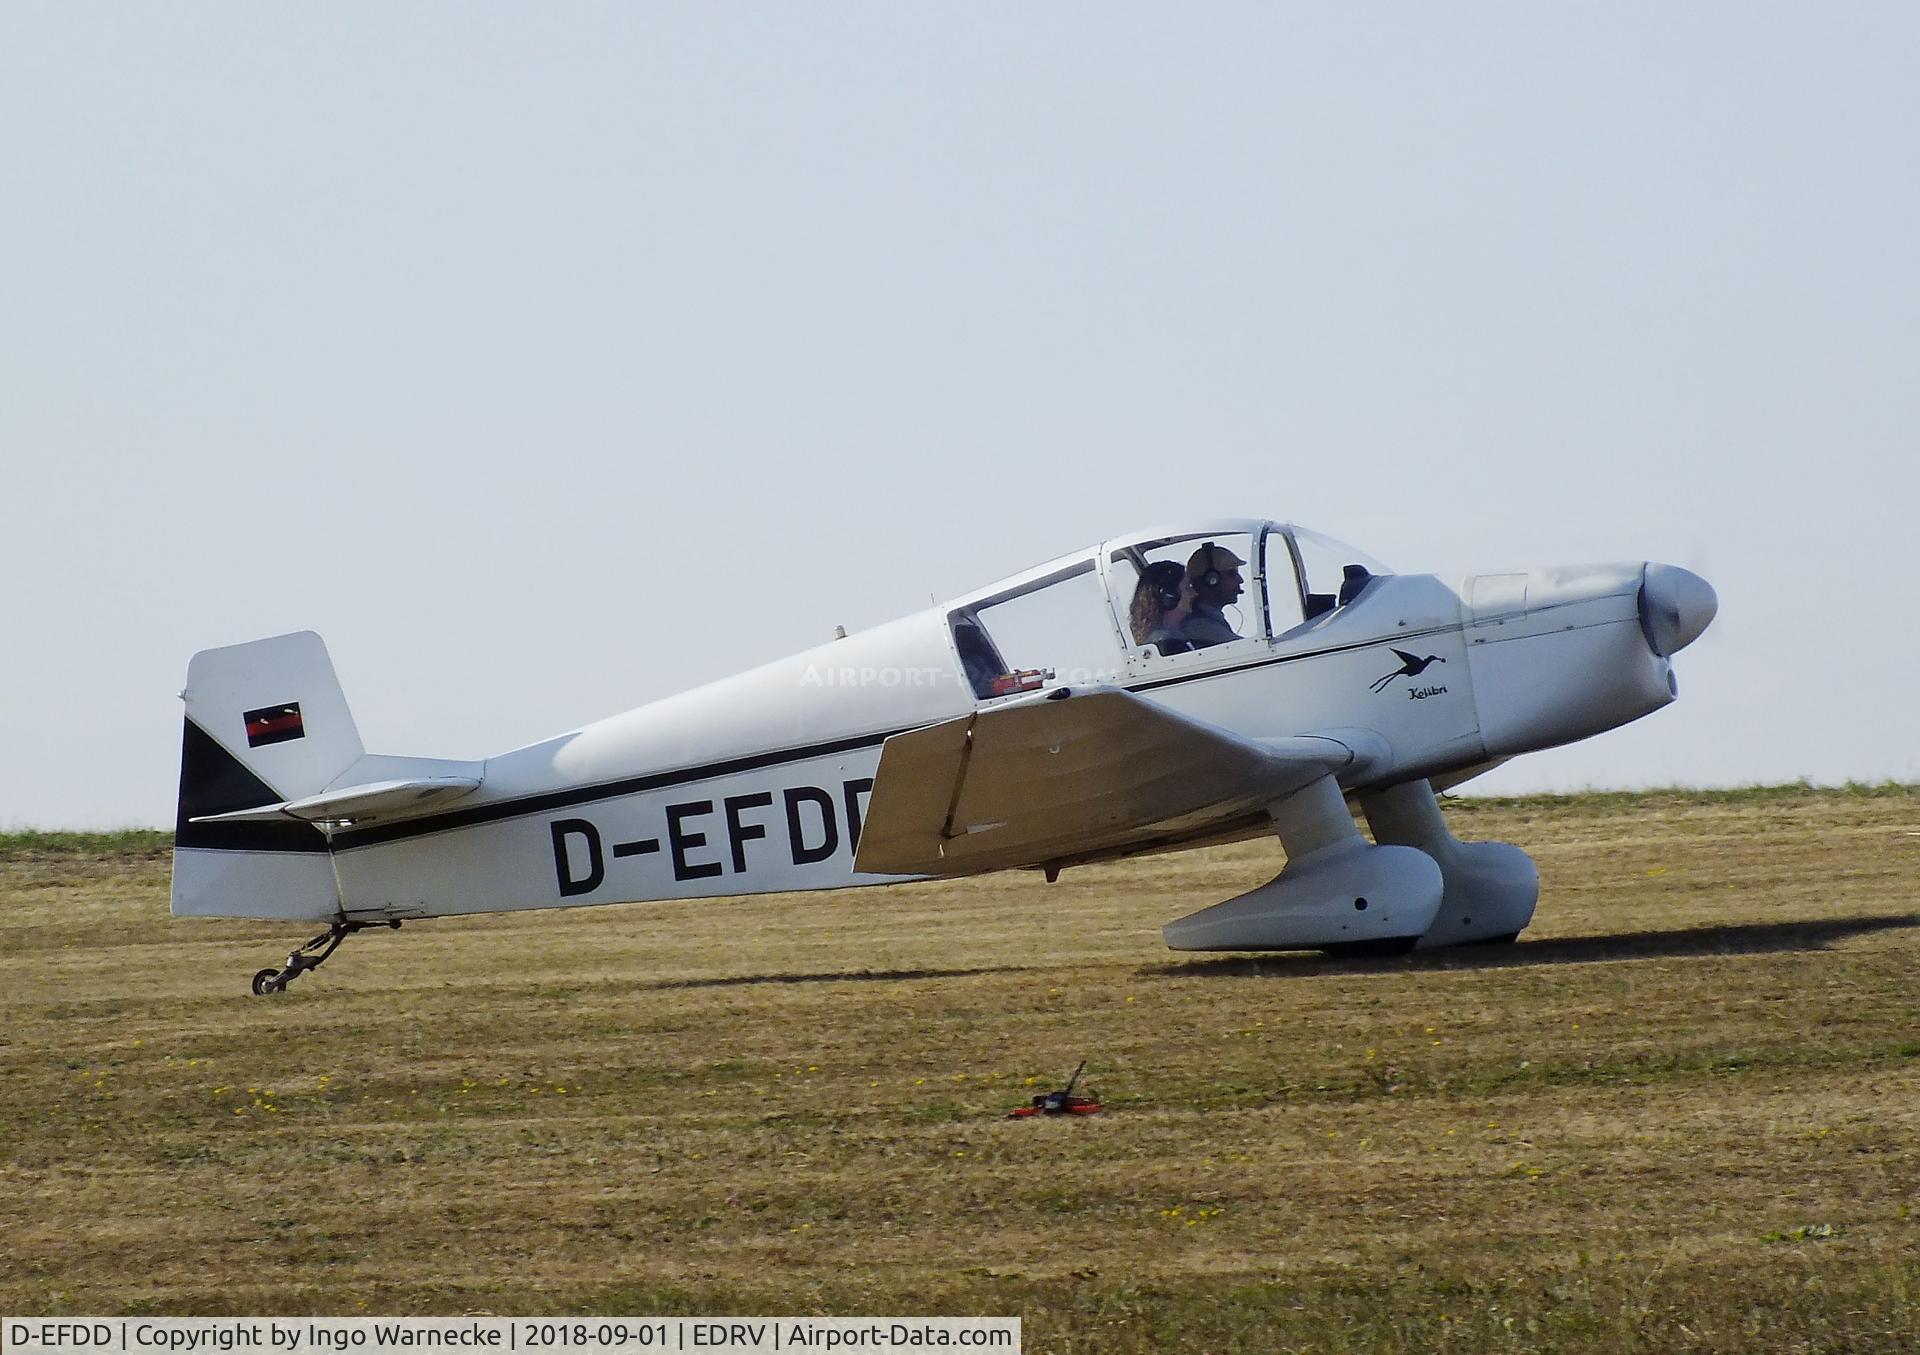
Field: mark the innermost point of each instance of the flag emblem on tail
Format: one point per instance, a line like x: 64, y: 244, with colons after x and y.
x: 274, y: 724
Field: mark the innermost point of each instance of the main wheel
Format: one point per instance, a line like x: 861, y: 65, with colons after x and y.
x: 266, y: 981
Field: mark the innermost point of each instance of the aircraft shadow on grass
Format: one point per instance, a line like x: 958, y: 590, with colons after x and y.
x: 1741, y: 939
x: 1737, y: 939
x: 831, y: 976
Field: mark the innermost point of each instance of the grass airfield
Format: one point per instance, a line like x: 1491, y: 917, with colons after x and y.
x: 1680, y: 1114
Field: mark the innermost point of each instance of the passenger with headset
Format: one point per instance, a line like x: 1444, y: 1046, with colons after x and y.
x: 1214, y: 572
x: 1162, y: 601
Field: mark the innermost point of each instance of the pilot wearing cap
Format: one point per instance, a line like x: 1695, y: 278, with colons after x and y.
x: 1215, y: 572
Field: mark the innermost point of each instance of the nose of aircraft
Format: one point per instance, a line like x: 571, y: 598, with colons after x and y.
x: 1675, y: 606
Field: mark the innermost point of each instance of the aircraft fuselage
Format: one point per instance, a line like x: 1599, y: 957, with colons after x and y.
x: 760, y: 782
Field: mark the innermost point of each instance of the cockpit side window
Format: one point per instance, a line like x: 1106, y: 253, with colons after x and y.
x: 1052, y: 631
x: 1186, y: 594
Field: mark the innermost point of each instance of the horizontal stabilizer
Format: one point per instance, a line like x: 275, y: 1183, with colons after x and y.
x: 1065, y: 775
x: 384, y: 801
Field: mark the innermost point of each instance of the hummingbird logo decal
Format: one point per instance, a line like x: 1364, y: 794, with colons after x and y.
x: 1411, y: 665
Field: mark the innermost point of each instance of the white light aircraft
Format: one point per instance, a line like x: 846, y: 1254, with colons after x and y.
x: 1167, y: 689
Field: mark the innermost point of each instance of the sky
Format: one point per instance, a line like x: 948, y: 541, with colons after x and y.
x: 548, y: 360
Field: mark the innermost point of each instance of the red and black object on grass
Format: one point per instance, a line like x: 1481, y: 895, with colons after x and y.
x: 1062, y: 1102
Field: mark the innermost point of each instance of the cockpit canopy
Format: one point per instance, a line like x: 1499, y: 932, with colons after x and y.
x: 1191, y: 598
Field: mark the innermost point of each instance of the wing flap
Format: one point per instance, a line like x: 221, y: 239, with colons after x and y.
x: 1030, y: 781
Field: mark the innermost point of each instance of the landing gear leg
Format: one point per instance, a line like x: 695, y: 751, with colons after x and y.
x: 1491, y: 887
x: 1338, y: 891
x: 310, y: 956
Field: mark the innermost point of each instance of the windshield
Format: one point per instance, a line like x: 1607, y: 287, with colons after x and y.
x: 1332, y: 573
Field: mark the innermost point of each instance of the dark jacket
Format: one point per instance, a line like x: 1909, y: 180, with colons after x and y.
x: 1208, y: 626
x: 1168, y: 640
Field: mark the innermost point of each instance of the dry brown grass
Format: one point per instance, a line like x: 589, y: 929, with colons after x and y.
x: 1680, y: 1115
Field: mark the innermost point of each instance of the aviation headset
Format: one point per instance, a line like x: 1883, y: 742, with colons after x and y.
x: 1210, y: 579
x: 1166, y: 589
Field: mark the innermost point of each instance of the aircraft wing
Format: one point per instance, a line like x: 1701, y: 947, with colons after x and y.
x: 1066, y: 776
x: 382, y: 800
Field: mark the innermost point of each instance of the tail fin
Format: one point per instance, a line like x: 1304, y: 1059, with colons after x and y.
x: 276, y: 708
x: 266, y: 722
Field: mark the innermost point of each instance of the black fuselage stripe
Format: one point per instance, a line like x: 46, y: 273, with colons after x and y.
x: 351, y: 838
x: 1294, y: 658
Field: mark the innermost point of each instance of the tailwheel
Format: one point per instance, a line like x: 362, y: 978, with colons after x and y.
x: 310, y: 956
